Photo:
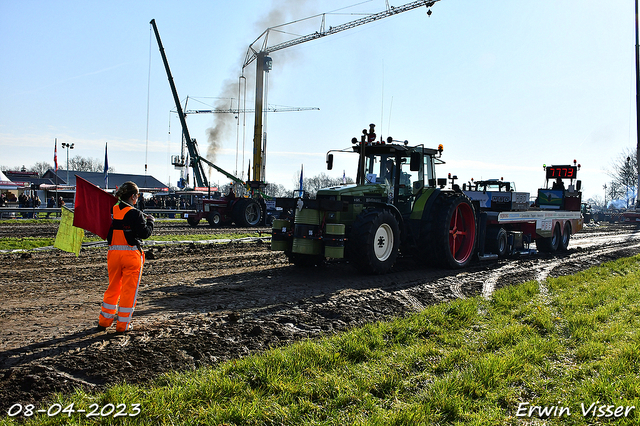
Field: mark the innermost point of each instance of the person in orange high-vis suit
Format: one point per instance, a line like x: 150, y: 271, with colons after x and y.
x: 125, y: 259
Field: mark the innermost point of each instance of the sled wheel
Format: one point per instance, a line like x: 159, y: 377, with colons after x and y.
x: 566, y: 237
x: 550, y: 244
x: 496, y: 242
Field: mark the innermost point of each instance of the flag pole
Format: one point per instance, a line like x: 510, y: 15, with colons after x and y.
x: 106, y: 167
x: 55, y: 160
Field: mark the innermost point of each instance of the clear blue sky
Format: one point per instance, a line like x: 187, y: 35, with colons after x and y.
x: 506, y: 86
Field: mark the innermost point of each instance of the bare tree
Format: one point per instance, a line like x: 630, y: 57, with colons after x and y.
x: 624, y: 175
x: 82, y: 164
x: 313, y: 184
x: 41, y: 168
x: 276, y: 190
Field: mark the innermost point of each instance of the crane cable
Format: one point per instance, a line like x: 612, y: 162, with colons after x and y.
x: 146, y: 148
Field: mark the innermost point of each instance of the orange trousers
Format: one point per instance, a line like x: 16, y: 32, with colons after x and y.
x: 125, y: 271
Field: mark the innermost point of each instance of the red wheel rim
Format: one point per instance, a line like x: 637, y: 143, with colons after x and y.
x: 462, y: 232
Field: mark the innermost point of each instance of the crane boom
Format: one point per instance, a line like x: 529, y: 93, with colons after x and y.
x: 263, y: 65
x: 238, y: 111
x: 198, y: 170
x: 252, y: 54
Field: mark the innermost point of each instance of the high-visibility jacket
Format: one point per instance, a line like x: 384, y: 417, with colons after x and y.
x: 124, y: 261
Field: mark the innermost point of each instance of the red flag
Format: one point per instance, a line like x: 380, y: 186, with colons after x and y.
x: 55, y: 155
x: 92, y: 208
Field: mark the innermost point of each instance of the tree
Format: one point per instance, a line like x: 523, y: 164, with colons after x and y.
x: 41, y: 168
x: 313, y: 184
x: 596, y: 202
x: 82, y: 164
x: 624, y: 176
x: 276, y: 190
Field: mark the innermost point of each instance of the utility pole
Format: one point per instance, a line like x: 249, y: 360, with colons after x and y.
x: 637, y: 108
x: 68, y: 146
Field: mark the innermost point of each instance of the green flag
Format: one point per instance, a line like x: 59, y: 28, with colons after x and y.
x: 69, y: 238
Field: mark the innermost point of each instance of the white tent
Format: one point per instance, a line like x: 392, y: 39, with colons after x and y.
x: 5, y: 183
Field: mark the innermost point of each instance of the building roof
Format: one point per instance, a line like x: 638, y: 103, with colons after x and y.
x: 22, y: 179
x: 145, y: 183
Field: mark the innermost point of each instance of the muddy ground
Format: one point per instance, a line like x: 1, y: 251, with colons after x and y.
x: 204, y: 303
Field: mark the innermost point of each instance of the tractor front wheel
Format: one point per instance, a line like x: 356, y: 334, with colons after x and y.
x: 374, y: 241
x: 193, y: 221
x: 214, y: 219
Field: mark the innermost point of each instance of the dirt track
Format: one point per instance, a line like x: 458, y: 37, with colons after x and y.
x: 200, y: 304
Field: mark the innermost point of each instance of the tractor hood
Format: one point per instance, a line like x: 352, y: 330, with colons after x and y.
x: 353, y: 190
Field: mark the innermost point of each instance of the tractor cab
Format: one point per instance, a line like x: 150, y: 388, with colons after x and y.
x: 397, y: 171
x: 562, y: 189
x: 496, y: 195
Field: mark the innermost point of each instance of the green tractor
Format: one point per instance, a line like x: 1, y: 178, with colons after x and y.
x: 396, y: 207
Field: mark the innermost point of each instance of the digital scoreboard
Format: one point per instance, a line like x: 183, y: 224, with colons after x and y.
x: 562, y: 172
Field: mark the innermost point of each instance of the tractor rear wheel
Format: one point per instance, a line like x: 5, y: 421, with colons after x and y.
x: 374, y: 241
x: 247, y: 212
x: 449, y: 234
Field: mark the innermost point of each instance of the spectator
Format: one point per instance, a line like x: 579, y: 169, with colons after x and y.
x: 51, y: 203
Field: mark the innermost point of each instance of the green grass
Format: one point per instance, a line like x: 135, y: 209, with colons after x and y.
x: 28, y: 243
x: 472, y: 361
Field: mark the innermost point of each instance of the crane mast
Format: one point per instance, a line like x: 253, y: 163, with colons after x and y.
x: 264, y: 65
x: 198, y: 170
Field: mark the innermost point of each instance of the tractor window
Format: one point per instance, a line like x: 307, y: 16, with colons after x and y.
x: 429, y: 170
x: 381, y: 169
x: 411, y: 182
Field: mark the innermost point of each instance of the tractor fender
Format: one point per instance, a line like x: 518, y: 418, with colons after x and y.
x: 422, y: 209
x: 386, y: 206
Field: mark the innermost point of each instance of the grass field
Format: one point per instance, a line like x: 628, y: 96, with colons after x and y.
x: 564, y: 352
x: 28, y: 243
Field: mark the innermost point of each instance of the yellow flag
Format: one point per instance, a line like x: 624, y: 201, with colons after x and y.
x: 69, y: 238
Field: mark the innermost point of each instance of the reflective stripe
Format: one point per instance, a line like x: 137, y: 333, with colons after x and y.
x: 108, y: 305
x: 107, y: 315
x: 124, y: 319
x: 125, y: 310
x: 116, y: 247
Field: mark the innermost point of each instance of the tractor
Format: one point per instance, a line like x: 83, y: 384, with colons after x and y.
x: 396, y: 207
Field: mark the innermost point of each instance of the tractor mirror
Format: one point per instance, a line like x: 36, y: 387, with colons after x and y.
x: 578, y: 185
x: 416, y: 160
x: 330, y: 162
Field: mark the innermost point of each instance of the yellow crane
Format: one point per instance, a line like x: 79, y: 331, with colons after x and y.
x: 264, y: 64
